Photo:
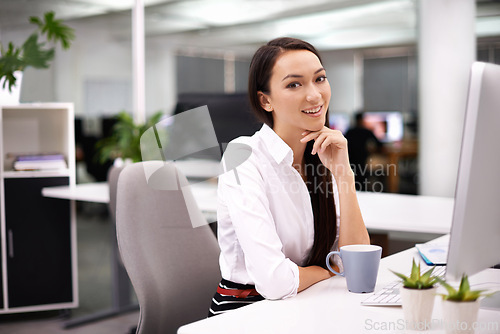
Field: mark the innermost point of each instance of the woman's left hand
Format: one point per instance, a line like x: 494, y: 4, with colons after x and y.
x: 331, y: 147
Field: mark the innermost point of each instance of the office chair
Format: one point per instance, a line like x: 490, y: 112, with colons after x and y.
x: 173, y: 266
x: 113, y: 174
x: 121, y: 293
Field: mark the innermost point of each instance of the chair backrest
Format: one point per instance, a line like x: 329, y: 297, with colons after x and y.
x: 173, y: 266
x: 120, y: 288
x: 113, y: 174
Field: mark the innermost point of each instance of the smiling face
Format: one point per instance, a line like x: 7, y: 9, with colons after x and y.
x: 299, y: 93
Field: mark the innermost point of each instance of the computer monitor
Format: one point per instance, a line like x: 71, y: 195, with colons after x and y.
x: 231, y: 117
x: 387, y: 126
x: 475, y: 232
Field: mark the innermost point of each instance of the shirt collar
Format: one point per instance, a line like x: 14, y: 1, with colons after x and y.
x: 278, y: 149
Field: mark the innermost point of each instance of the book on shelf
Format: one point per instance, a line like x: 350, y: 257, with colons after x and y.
x: 39, y: 162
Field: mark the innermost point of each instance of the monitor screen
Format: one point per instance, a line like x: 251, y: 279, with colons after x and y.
x: 230, y: 114
x: 475, y: 232
x: 386, y: 125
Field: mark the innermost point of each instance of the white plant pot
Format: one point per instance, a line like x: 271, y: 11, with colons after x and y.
x: 459, y: 317
x: 10, y: 98
x: 417, y: 307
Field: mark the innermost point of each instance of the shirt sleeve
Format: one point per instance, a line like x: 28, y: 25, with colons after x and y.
x: 244, y: 193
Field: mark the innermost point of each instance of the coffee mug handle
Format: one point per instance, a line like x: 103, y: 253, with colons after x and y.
x: 328, y: 263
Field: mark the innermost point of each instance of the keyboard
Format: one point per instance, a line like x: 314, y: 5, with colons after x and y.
x: 389, y: 294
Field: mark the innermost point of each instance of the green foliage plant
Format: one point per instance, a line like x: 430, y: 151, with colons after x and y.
x: 33, y: 52
x: 417, y: 280
x: 464, y: 293
x: 124, y: 141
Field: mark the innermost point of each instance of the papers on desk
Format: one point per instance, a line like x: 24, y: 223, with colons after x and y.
x: 433, y: 254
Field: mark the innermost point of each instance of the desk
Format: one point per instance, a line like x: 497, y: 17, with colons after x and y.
x: 87, y: 192
x: 328, y: 307
x: 406, y: 213
x: 385, y: 212
x: 205, y: 194
x: 381, y: 211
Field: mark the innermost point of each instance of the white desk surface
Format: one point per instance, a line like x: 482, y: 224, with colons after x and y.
x: 88, y: 192
x: 205, y: 193
x: 406, y: 213
x: 328, y: 307
x: 381, y: 211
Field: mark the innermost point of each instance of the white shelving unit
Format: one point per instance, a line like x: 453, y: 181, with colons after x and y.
x: 38, y: 235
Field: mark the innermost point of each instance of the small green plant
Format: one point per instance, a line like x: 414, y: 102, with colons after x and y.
x: 34, y: 53
x: 416, y: 280
x: 464, y: 293
x: 125, y: 138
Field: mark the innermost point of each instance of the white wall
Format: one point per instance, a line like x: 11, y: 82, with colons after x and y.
x: 94, y: 56
x: 344, y: 72
x: 97, y: 55
x: 161, y: 86
x: 446, y: 52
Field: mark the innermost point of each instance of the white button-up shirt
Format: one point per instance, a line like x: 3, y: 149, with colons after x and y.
x: 265, y: 218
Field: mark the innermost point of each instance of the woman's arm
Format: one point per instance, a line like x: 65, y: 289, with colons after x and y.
x: 352, y: 227
x: 312, y: 275
x: 331, y: 147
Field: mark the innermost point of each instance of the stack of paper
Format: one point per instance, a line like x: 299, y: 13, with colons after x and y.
x: 433, y: 254
x: 40, y: 162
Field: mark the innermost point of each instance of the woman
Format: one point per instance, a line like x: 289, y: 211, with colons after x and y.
x: 281, y: 211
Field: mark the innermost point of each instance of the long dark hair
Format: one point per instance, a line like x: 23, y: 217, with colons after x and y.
x: 319, y: 179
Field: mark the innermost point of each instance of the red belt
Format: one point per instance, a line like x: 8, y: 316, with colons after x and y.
x: 237, y: 293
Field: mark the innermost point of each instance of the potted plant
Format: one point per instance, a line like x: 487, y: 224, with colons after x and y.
x: 460, y: 307
x: 32, y: 52
x: 417, y: 296
x: 125, y: 138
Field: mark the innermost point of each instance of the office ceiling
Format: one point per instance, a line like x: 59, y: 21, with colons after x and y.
x: 240, y: 24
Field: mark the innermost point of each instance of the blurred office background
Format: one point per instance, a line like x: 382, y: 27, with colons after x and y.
x: 370, y: 48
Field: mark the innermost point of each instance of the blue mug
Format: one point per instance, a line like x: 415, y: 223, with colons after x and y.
x: 360, y: 264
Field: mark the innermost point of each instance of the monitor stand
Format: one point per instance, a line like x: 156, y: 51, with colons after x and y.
x: 489, y: 280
